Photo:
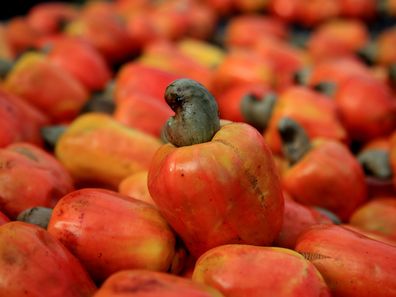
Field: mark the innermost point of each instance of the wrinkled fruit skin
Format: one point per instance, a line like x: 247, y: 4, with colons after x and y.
x: 245, y: 270
x: 205, y: 191
x: 33, y: 263
x: 351, y: 264
x: 109, y: 232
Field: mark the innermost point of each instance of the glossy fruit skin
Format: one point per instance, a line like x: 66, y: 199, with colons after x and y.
x: 34, y: 263
x: 206, y: 190
x: 87, y: 149
x: 378, y: 216
x: 308, y: 183
x: 143, y: 283
x: 109, y: 232
x: 312, y: 110
x: 237, y: 270
x: 351, y: 263
x: 46, y: 86
x: 30, y: 176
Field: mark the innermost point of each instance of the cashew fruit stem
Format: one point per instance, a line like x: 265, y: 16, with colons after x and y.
x: 295, y: 141
x: 376, y: 163
x: 196, y: 118
x: 256, y: 111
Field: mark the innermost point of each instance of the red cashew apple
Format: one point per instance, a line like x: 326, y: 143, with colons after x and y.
x: 143, y: 112
x: 241, y: 66
x: 50, y: 18
x: 82, y: 61
x: 34, y: 263
x: 337, y: 71
x: 30, y: 176
x: 337, y: 38
x: 208, y: 179
x: 351, y: 263
x: 232, y: 102
x: 378, y: 216
x: 96, y: 149
x: 367, y: 108
x: 375, y: 159
x: 286, y: 59
x: 99, y: 25
x: 239, y: 270
x: 169, y: 56
x: 19, y: 120
x: 323, y: 172
x: 312, y: 110
x: 109, y: 232
x: 20, y: 35
x: 135, y: 77
x: 46, y: 86
x: 258, y: 26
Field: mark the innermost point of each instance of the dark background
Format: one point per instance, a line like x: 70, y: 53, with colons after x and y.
x: 20, y: 7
